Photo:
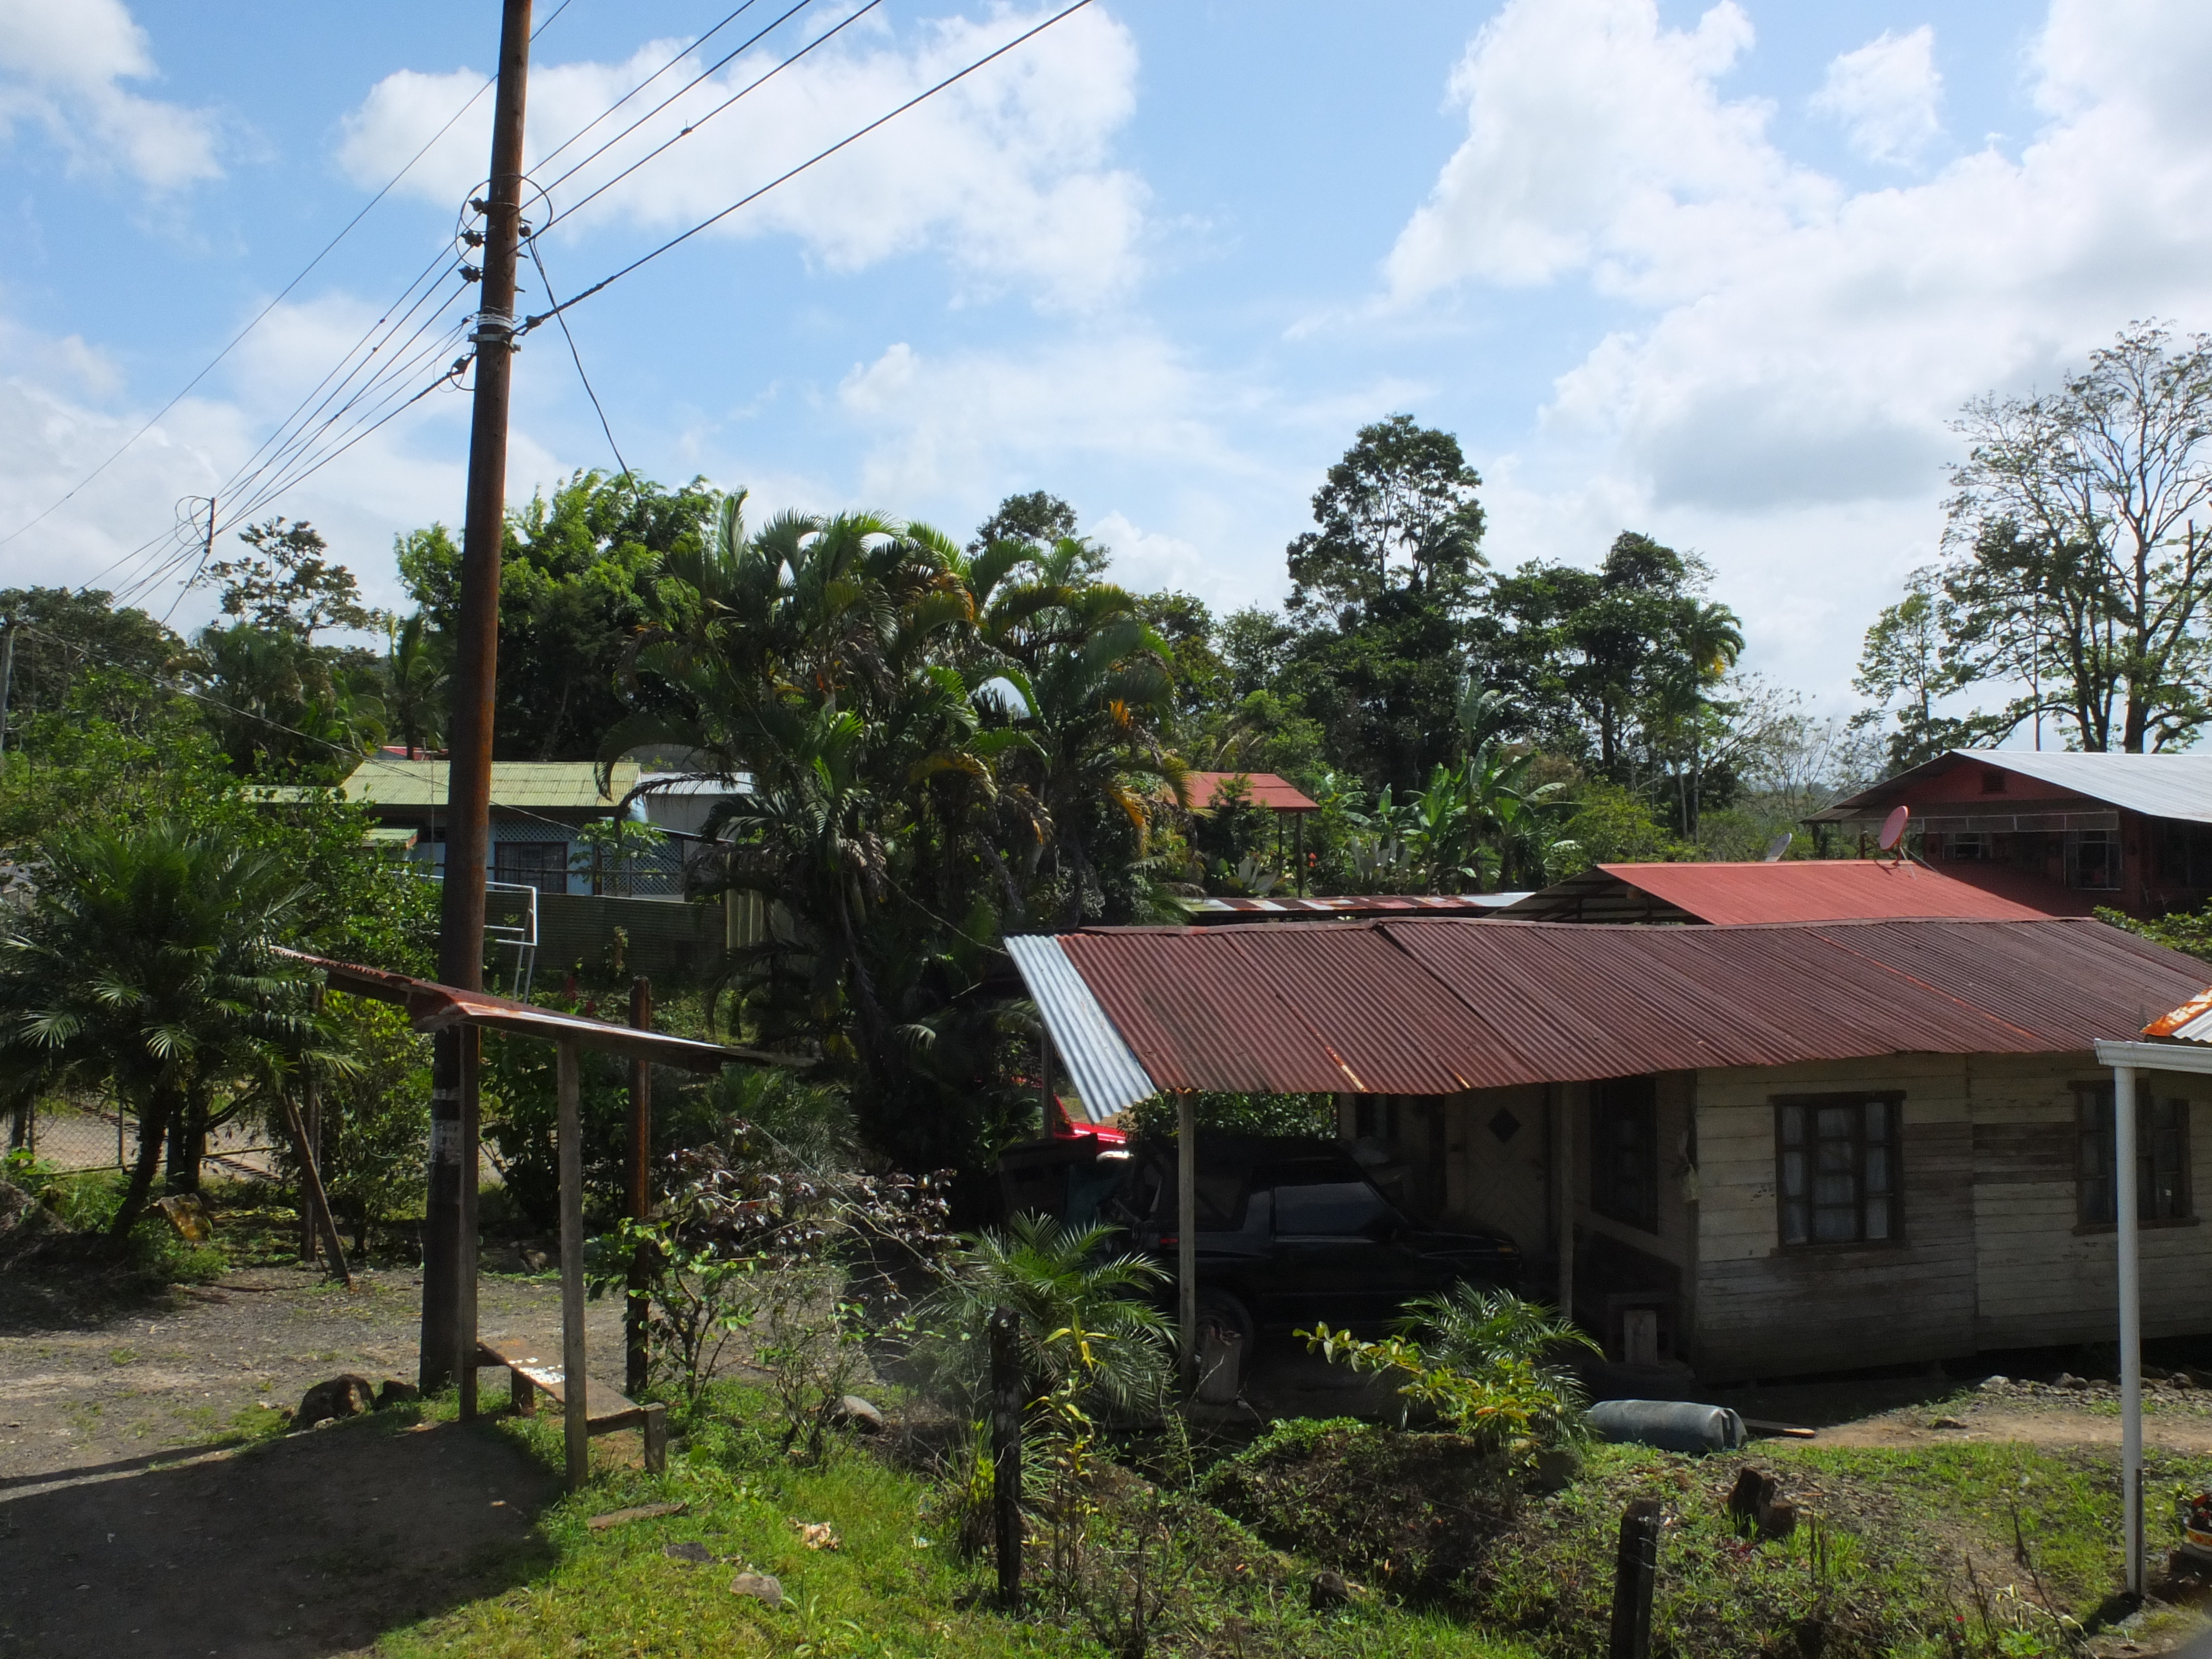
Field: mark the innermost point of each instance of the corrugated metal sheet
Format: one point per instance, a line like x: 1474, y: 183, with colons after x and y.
x: 2158, y: 785
x: 1207, y: 912
x: 1264, y: 789
x: 1808, y: 889
x: 1431, y: 1006
x: 1108, y: 1078
x: 2192, y: 1021
x: 570, y: 786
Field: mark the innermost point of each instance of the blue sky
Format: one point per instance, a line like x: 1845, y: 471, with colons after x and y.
x: 1722, y: 274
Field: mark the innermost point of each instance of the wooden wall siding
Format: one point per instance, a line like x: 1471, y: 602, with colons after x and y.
x: 2040, y: 1281
x: 1761, y: 1311
x: 1491, y: 1183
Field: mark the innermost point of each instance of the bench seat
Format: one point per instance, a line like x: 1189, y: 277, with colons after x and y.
x: 606, y: 1410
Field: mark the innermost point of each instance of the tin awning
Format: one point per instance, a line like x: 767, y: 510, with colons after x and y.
x: 1107, y: 1076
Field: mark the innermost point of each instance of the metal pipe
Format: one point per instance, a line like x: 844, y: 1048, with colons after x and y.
x: 2130, y: 1292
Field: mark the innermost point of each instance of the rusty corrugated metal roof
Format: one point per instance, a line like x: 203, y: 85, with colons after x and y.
x: 1264, y: 789
x: 1211, y: 912
x: 1431, y: 1007
x: 1805, y: 890
x: 432, y: 1007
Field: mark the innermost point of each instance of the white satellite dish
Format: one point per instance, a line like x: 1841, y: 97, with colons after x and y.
x: 1892, y: 828
x: 1777, y: 848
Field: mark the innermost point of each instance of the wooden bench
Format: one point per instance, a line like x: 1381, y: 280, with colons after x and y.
x: 606, y: 1412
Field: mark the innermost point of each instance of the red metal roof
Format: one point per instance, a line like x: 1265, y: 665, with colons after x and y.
x: 1431, y: 1006
x: 1820, y: 890
x: 1262, y: 789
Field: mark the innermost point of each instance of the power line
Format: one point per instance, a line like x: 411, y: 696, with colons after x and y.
x: 822, y: 155
x: 530, y: 242
x: 694, y: 45
x: 259, y: 316
x: 823, y: 38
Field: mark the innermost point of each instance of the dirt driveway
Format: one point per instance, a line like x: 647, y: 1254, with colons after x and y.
x: 125, y: 1529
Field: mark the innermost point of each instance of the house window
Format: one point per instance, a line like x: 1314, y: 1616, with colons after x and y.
x: 1836, y: 1169
x: 2162, y: 1157
x: 540, y: 864
x: 1625, y: 1150
x: 1966, y: 847
x: 2093, y: 859
x: 1993, y: 781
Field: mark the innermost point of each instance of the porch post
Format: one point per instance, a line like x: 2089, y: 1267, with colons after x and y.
x: 1187, y: 1235
x: 1562, y: 1190
x: 2130, y: 1292
x: 577, y: 1416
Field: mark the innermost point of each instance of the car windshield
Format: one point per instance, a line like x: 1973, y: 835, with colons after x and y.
x: 1331, y: 1209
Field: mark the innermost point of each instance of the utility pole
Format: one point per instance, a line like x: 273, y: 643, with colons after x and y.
x: 449, y: 1243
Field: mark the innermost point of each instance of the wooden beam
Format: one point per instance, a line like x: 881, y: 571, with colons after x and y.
x: 311, y: 1182
x: 1187, y: 1235
x: 571, y: 1150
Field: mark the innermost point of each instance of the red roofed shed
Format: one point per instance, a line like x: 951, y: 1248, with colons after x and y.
x: 1805, y: 890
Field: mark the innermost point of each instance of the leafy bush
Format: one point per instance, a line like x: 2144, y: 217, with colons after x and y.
x: 1222, y: 1112
x: 1479, y: 1359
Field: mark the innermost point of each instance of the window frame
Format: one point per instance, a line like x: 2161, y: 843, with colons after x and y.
x: 554, y: 870
x: 1893, y: 1100
x: 2094, y: 1101
x: 1601, y: 1144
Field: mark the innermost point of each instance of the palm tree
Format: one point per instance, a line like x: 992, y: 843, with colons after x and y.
x: 415, y: 679
x: 1058, y: 1280
x: 146, y: 962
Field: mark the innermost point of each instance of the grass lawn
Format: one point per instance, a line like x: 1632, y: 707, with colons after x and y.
x: 894, y: 1587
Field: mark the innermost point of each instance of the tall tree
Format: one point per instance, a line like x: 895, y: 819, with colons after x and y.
x: 70, y: 632
x: 2082, y: 534
x: 287, y: 586
x: 1380, y: 591
x: 1902, y: 667
x: 579, y: 586
x: 1398, y: 512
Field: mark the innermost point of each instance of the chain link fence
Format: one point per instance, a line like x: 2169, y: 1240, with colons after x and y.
x: 74, y: 1138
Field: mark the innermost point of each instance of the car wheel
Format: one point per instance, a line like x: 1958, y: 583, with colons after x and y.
x: 1222, y: 1309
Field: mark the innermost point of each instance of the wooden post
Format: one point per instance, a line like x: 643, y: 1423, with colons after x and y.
x: 636, y: 1357
x: 1044, y: 1083
x: 1187, y: 1238
x: 578, y: 1413
x: 310, y: 1142
x: 465, y: 1261
x: 1563, y: 1188
x: 1635, y: 1565
x: 1301, y: 821
x: 1006, y: 1452
x: 311, y: 1186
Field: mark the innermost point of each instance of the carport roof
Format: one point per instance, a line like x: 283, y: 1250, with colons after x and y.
x: 1434, y: 1006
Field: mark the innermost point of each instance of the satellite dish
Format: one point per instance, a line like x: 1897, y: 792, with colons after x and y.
x: 1777, y: 848
x: 1892, y: 828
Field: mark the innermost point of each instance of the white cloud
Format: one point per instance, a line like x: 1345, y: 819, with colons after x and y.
x: 1886, y: 95
x: 1007, y: 173
x: 1799, y: 347
x: 60, y: 70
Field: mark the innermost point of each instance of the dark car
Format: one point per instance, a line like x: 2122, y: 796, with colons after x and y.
x: 1292, y: 1232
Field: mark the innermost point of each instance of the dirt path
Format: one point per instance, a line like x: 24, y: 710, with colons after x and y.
x: 75, y: 1400
x: 2175, y: 1420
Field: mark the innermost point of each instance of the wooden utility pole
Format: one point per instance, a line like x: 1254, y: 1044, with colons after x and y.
x: 448, y: 1341
x: 635, y: 1364
x: 1006, y: 1454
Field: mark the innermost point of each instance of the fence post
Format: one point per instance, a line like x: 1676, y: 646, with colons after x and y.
x: 1634, y: 1565
x: 1006, y: 1452
x: 635, y: 1309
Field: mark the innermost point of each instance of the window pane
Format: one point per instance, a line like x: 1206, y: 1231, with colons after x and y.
x: 1838, y: 1226
x: 1836, y: 1122
x: 1877, y: 1169
x: 1877, y: 1218
x: 1835, y: 1189
x: 1793, y: 1175
x: 1793, y: 1126
x: 1794, y: 1222
x: 1877, y: 1120
x: 1336, y: 1209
